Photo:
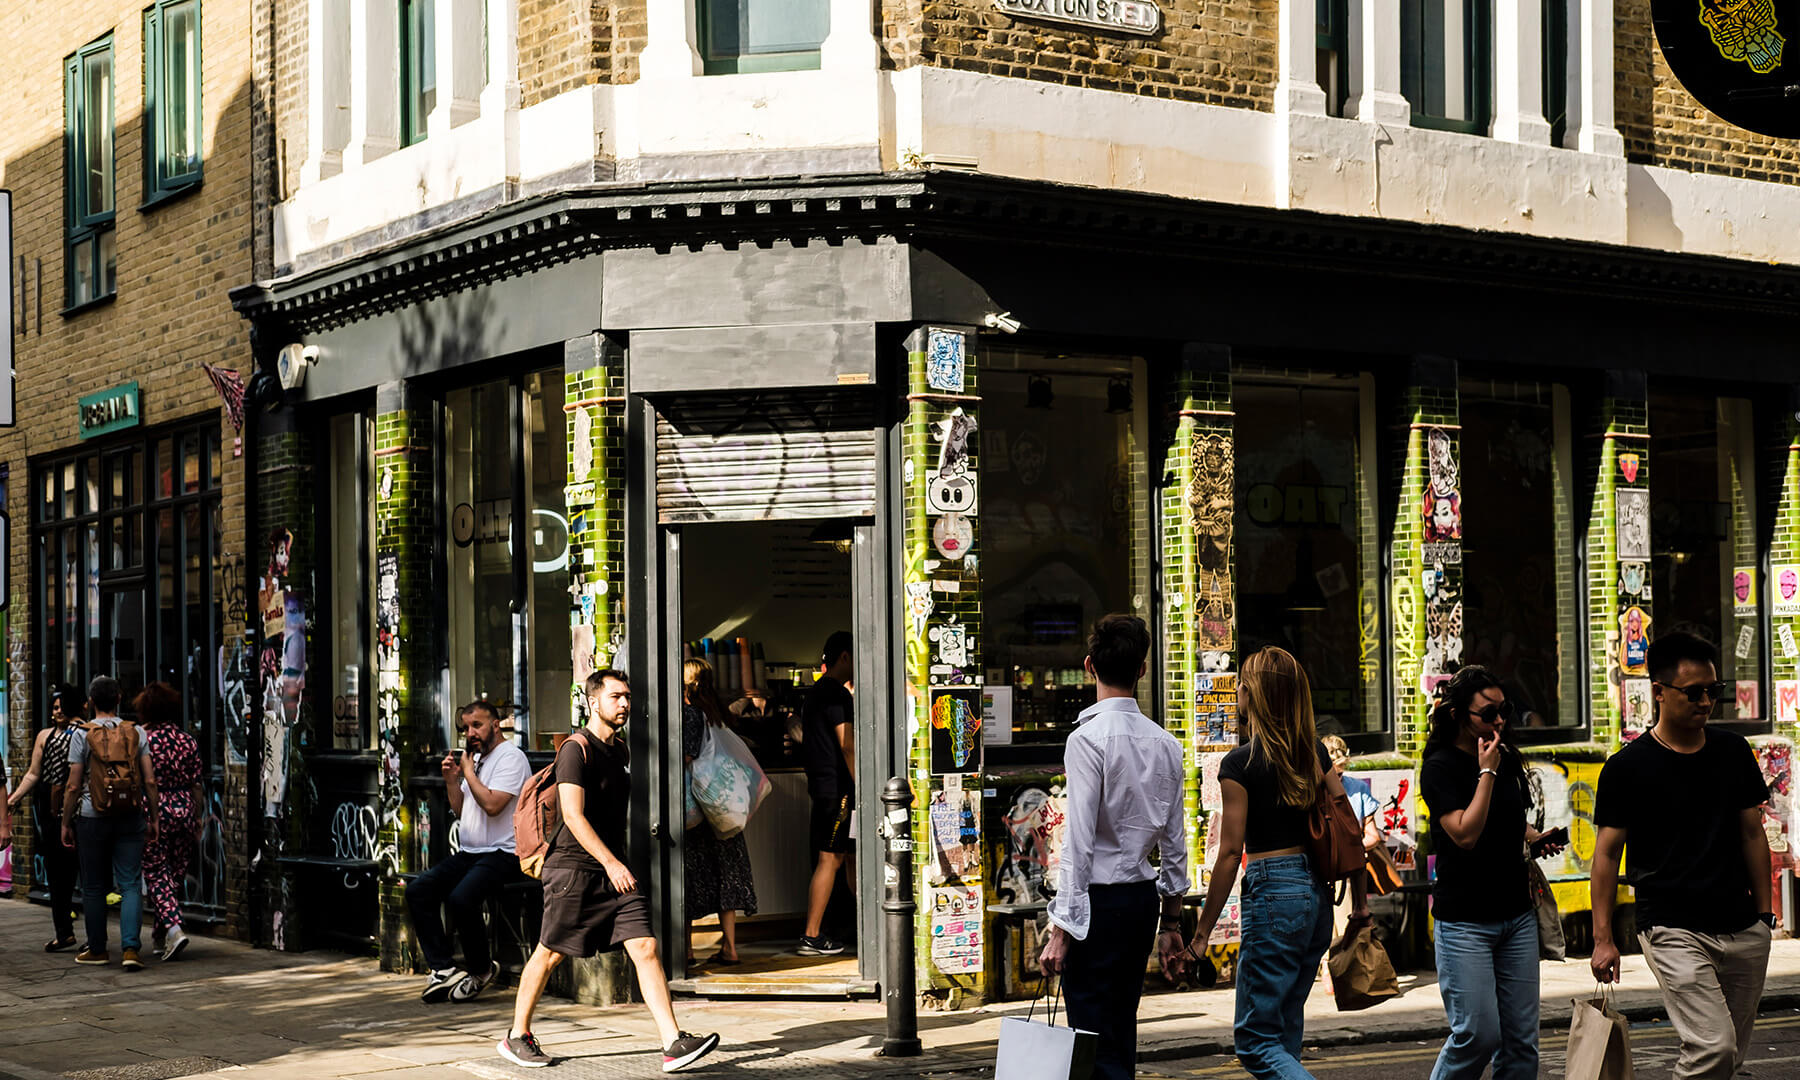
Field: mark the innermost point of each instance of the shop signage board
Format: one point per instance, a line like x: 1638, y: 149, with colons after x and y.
x: 6, y: 280
x: 108, y: 410
x: 1118, y: 16
x: 1733, y: 57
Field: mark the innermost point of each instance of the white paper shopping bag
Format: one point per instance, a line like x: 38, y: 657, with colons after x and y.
x: 1038, y: 1050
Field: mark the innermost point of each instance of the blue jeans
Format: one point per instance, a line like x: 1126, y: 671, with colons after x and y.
x: 1488, y: 974
x: 1287, y: 927
x: 111, y: 851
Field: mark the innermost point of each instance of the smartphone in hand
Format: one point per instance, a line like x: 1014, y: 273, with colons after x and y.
x: 1558, y: 836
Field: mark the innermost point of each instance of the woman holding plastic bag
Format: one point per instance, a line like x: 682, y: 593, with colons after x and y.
x: 718, y: 876
x: 1486, y: 926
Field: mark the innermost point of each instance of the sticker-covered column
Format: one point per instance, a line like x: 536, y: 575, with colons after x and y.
x: 1427, y: 589
x: 1618, y: 556
x: 594, y: 500
x: 1784, y: 590
x: 940, y: 480
x: 403, y: 663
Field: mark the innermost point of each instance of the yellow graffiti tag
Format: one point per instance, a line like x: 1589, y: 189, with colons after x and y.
x: 1744, y: 30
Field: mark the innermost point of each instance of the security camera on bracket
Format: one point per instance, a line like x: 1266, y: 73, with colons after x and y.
x: 1002, y: 321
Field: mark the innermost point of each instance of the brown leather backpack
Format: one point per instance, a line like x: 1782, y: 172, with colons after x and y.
x: 1334, y: 836
x: 115, y: 782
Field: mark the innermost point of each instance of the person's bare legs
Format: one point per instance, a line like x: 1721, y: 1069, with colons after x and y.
x: 728, y: 924
x: 655, y: 986
x: 818, y: 894
x: 531, y: 987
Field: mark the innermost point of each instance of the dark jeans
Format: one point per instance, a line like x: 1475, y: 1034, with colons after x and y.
x: 464, y: 882
x: 111, y: 850
x: 62, y: 871
x: 1104, y: 976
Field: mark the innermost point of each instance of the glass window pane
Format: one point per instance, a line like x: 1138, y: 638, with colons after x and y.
x: 212, y: 456
x: 168, y: 613
x: 90, y: 479
x: 81, y: 276
x: 107, y: 271
x: 350, y: 581
x: 548, y: 532
x: 125, y: 627
x: 480, y: 561
x: 190, y: 464
x: 69, y: 555
x: 97, y: 130
x: 98, y: 657
x: 165, y: 468
x: 68, y: 490
x: 47, y: 495
x: 761, y: 27
x: 181, y: 89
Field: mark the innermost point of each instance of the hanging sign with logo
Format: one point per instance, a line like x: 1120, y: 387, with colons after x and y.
x: 1119, y: 16
x: 108, y: 410
x: 1732, y: 56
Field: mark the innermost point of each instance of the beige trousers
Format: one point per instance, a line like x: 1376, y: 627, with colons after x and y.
x: 1711, y: 984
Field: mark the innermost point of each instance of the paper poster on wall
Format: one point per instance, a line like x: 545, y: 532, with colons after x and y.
x: 945, y: 361
x: 1031, y: 834
x: 1230, y: 927
x: 955, y: 837
x: 956, y: 917
x: 1749, y: 699
x: 955, y: 730
x: 997, y: 715
x: 1639, y: 714
x: 1633, y: 536
x: 1746, y: 640
x: 1785, y: 634
x: 1787, y: 701
x: 952, y: 535
x: 1787, y: 589
x: 1441, y: 502
x: 1743, y: 591
x: 1215, y: 710
x: 1634, y: 641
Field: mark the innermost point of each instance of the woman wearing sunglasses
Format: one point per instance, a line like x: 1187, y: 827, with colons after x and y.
x: 1473, y: 782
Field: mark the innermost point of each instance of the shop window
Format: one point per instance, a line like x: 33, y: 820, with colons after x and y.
x: 1306, y: 571
x: 91, y: 256
x: 171, y: 98
x: 1703, y: 546
x: 1446, y: 63
x: 547, y: 533
x: 761, y: 35
x: 350, y: 598
x: 1520, y: 611
x: 418, y: 67
x: 1064, y: 525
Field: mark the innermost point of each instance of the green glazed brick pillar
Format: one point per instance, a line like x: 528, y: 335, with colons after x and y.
x: 1427, y: 591
x: 940, y: 478
x: 594, y: 500
x: 1784, y: 551
x: 404, y: 669
x: 1198, y: 590
x: 1618, y: 556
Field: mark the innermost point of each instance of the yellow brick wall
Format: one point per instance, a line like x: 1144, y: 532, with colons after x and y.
x: 564, y: 44
x: 175, y: 264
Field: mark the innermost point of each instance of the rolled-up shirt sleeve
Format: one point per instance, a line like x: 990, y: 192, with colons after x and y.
x: 1084, y: 788
x: 1172, y: 877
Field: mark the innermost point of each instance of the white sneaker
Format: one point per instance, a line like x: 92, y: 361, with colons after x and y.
x: 472, y: 985
x: 173, y: 945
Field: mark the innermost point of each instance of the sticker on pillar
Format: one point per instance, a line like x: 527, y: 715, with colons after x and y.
x: 956, y: 918
x: 919, y: 604
x: 1215, y: 708
x: 1785, y: 634
x: 1746, y: 640
x: 1749, y: 699
x: 953, y: 433
x: 1633, y: 536
x: 1787, y: 590
x: 953, y: 647
x: 1211, y: 507
x: 384, y: 488
x: 1743, y: 591
x: 1443, y: 630
x: 1634, y: 641
x: 1632, y: 576
x: 582, y: 445
x: 1034, y: 822
x: 944, y: 361
x: 955, y: 731
x: 951, y: 495
x: 1636, y: 713
x: 1787, y: 701
x: 955, y: 838
x: 1214, y: 661
x: 907, y: 471
x: 1442, y: 503
x: 1628, y: 466
x: 579, y: 494
x: 952, y: 535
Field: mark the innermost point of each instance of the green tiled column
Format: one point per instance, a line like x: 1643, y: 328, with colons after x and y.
x: 594, y: 392
x: 1427, y: 538
x: 1784, y: 550
x: 1624, y: 429
x: 404, y: 517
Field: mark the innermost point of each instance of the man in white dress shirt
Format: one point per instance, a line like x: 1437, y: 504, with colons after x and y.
x: 1124, y: 791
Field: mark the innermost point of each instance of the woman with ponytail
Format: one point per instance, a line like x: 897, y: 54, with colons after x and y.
x: 1473, y: 782
x: 1269, y: 787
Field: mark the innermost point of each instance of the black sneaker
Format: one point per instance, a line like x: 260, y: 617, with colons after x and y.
x: 687, y: 1049
x: 470, y: 985
x: 441, y: 983
x: 820, y: 946
x: 524, y: 1051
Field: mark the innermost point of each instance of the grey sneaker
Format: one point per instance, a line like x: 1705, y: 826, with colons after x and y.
x: 524, y: 1051
x: 823, y: 945
x: 438, y: 988
x: 472, y: 985
x: 173, y: 945
x: 687, y: 1049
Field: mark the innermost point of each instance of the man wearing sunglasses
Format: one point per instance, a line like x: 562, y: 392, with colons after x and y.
x: 1687, y: 799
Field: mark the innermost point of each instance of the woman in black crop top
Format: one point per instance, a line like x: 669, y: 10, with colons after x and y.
x: 1485, y: 924
x: 1269, y: 787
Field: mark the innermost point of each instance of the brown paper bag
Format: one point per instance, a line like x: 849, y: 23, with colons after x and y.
x: 1361, y: 974
x: 1599, y: 1040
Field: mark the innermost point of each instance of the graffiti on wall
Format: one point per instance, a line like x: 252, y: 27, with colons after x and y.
x: 1775, y: 757
x: 236, y: 676
x: 1029, y: 844
x: 1562, y: 795
x: 282, y: 668
x: 1211, y: 505
x: 1396, y: 793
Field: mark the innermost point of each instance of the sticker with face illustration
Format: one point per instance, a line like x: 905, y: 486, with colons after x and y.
x: 1743, y: 590
x: 1631, y: 579
x: 1634, y: 524
x: 1634, y: 641
x: 952, y: 535
x: 1787, y: 589
x: 951, y: 495
x: 944, y: 361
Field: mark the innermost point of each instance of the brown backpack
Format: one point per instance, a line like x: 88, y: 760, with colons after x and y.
x: 115, y: 782
x: 1334, y: 837
x: 537, y: 816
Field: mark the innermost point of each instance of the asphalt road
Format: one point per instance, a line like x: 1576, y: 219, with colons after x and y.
x: 1654, y: 1047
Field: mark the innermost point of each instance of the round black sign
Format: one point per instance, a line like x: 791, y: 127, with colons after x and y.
x: 1734, y: 56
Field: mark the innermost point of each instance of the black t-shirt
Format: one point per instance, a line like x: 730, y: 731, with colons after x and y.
x: 828, y: 704
x: 1684, y: 852
x: 604, y: 772
x: 1488, y: 883
x: 1269, y: 823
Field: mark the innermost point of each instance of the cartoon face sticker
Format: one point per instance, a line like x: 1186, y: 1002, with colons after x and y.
x: 1740, y: 586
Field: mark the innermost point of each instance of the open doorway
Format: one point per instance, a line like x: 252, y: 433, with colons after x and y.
x: 758, y: 602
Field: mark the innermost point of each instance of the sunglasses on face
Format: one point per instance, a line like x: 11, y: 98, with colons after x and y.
x: 1493, y: 713
x: 1695, y: 693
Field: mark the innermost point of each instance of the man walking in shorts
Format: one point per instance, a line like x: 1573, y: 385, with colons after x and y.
x: 829, y: 751
x: 592, y: 903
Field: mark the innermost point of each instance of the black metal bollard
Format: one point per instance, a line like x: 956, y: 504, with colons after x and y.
x: 900, y: 987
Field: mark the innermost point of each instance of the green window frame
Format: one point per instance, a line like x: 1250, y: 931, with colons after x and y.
x: 90, y: 256
x: 1429, y: 71
x: 418, y: 68
x: 736, y: 36
x: 172, y: 77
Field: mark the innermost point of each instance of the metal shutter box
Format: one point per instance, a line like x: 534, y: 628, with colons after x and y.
x: 765, y: 456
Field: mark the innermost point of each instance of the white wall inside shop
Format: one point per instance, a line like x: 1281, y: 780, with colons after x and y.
x: 767, y: 582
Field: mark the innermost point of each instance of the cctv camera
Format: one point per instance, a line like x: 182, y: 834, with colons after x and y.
x: 1003, y: 321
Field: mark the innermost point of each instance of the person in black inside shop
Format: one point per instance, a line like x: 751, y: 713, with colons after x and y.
x: 828, y: 748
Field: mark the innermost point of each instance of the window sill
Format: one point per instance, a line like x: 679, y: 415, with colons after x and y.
x: 88, y: 305
x: 169, y: 195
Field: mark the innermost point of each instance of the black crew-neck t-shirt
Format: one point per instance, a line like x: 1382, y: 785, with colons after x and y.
x: 1684, y: 852
x: 1487, y: 883
x: 1269, y: 823
x: 828, y: 704
x: 604, y: 773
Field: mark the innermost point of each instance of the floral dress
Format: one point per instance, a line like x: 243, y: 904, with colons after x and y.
x: 718, y: 871
x: 176, y: 758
